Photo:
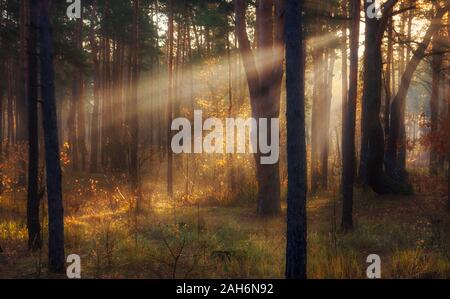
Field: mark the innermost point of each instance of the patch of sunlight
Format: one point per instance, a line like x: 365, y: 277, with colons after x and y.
x: 12, y: 230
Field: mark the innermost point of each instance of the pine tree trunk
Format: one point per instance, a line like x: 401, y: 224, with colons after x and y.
x: 264, y: 85
x: 348, y: 135
x: 372, y: 146
x: 296, y: 249
x: 33, y: 224
x: 52, y: 153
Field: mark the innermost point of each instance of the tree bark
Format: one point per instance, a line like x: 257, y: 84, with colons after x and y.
x: 372, y: 140
x: 371, y: 170
x: 52, y: 153
x: 348, y: 135
x: 264, y: 86
x: 296, y: 249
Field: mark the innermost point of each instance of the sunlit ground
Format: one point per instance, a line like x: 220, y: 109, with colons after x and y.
x: 204, y: 237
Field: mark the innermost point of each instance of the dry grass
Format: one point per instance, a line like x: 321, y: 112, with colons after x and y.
x: 207, y: 238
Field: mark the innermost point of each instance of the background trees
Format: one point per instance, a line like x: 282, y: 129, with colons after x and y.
x: 96, y: 97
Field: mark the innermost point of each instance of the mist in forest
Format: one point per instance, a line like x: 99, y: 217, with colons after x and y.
x: 95, y: 97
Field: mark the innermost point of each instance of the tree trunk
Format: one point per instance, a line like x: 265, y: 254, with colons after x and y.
x: 348, y: 135
x: 22, y: 88
x: 52, y: 153
x: 436, y: 64
x: 33, y: 224
x: 387, y: 84
x: 325, y: 149
x: 344, y: 66
x: 264, y: 86
x: 170, y: 102
x: 21, y: 100
x: 2, y: 65
x: 448, y: 117
x: 134, y: 117
x: 372, y: 136
x: 296, y: 249
x: 372, y: 133
x: 395, y: 159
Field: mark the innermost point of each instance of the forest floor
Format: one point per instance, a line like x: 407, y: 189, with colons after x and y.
x: 410, y: 234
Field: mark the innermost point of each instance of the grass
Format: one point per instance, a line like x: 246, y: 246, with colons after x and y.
x: 211, y: 240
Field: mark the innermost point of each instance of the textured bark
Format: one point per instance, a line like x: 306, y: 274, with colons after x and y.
x: 348, y: 135
x: 52, y: 153
x: 296, y: 249
x: 371, y: 170
x: 264, y: 86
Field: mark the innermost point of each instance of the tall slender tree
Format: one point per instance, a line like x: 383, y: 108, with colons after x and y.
x: 52, y: 153
x: 33, y: 225
x: 170, y: 51
x: 348, y: 133
x: 296, y: 250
